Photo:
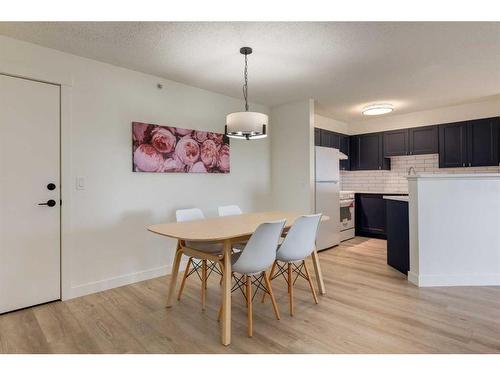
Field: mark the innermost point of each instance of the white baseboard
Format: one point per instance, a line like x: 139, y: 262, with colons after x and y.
x: 115, y: 282
x: 413, y: 277
x: 453, y: 280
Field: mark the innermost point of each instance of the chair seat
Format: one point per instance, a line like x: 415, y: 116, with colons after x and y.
x: 206, y: 247
x: 284, y: 257
x: 243, y: 271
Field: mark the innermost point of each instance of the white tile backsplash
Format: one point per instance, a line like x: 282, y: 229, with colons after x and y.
x: 394, y: 181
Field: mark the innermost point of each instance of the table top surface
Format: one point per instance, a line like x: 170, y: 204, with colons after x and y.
x: 224, y: 227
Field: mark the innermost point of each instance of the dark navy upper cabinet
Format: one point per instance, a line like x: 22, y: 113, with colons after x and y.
x: 317, y: 136
x: 330, y: 139
x: 327, y: 138
x: 396, y: 143
x: 482, y: 142
x: 452, y: 145
x: 423, y: 140
x: 473, y: 143
x: 366, y: 151
x: 469, y: 143
x: 344, y: 147
x: 412, y: 141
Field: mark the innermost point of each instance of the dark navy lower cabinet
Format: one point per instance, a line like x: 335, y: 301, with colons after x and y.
x: 398, y: 235
x: 370, y: 215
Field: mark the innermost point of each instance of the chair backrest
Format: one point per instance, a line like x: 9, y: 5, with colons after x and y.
x: 260, y: 251
x: 300, y: 239
x: 229, y: 210
x: 189, y: 214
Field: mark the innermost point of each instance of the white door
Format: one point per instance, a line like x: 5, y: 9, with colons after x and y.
x: 29, y: 162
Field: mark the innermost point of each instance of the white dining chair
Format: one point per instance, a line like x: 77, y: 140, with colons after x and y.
x: 229, y: 210
x: 200, y: 266
x: 232, y: 210
x: 296, y: 247
x: 252, y: 264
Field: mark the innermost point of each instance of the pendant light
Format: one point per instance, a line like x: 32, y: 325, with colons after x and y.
x: 246, y: 125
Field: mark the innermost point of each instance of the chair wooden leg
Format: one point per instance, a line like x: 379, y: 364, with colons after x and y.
x: 270, y: 277
x: 221, y: 266
x: 249, y: 304
x: 219, y: 316
x: 271, y: 294
x: 310, y: 282
x: 184, y: 277
x: 203, y: 283
x: 290, y: 288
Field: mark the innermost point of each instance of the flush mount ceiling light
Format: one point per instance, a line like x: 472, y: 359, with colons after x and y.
x: 246, y: 125
x: 377, y: 109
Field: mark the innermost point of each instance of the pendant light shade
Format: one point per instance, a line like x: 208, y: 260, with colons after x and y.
x: 246, y: 125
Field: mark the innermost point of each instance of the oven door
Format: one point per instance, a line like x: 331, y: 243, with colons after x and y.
x: 346, y: 214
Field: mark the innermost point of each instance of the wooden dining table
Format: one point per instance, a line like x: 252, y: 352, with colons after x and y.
x: 227, y: 230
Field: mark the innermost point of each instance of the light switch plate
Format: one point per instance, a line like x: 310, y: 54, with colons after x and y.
x: 80, y: 183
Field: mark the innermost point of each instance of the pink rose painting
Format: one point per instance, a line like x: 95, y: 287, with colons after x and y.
x: 168, y: 149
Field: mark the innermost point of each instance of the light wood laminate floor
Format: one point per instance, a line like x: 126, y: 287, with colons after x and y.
x: 369, y: 308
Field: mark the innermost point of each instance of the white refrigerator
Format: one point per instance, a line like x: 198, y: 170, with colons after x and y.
x: 327, y: 189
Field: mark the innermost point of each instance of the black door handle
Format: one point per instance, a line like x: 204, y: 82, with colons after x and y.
x: 50, y: 203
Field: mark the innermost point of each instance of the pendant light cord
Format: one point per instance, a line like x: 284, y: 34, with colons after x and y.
x: 245, y: 86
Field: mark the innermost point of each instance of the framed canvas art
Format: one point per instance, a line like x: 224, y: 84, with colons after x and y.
x: 168, y: 149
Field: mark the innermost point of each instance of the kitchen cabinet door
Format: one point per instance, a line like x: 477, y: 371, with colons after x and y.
x: 317, y: 136
x: 369, y: 152
x: 353, y: 152
x: 370, y: 215
x: 326, y: 138
x: 398, y: 236
x: 452, y: 145
x: 344, y: 147
x: 482, y: 142
x: 423, y: 140
x: 396, y: 143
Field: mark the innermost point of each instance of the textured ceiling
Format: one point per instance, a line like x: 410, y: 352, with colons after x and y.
x: 343, y: 66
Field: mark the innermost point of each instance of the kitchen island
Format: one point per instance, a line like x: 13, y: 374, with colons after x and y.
x: 454, y: 229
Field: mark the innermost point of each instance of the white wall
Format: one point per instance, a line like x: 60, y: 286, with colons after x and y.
x: 331, y: 124
x: 105, y: 241
x: 292, y: 140
x: 482, y: 109
x: 455, y: 230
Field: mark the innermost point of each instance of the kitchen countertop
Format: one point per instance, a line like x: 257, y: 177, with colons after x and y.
x: 402, y: 198
x: 380, y: 192
x: 437, y: 176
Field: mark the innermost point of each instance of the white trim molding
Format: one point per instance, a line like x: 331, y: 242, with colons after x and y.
x: 115, y: 282
x: 453, y: 280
